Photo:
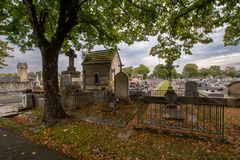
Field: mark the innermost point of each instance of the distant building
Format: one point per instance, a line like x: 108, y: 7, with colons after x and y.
x: 17, y: 82
x: 22, y: 72
x: 99, y: 69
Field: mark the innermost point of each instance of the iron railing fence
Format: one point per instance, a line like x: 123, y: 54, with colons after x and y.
x: 199, y: 117
x: 179, y: 93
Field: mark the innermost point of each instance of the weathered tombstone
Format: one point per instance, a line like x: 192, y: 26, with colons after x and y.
x: 121, y: 86
x: 70, y: 77
x: 191, y: 89
x: 234, y: 89
x: 71, y: 56
x: 173, y: 111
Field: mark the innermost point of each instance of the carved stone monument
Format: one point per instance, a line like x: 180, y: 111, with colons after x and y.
x: 71, y: 77
x: 121, y: 85
x: 173, y: 111
x: 191, y: 89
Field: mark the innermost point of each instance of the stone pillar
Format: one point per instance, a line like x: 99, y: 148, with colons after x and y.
x: 22, y: 72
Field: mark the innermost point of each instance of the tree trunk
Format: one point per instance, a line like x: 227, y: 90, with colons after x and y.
x: 52, y: 105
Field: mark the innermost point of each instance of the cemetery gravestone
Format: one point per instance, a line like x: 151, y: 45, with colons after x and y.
x: 71, y: 77
x: 191, y: 89
x: 121, y: 86
x: 234, y: 89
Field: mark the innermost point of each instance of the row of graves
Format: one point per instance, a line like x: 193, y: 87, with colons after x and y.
x: 143, y: 85
x: 227, y: 87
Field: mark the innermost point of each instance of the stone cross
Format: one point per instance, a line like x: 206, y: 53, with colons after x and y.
x: 120, y: 65
x: 71, y: 56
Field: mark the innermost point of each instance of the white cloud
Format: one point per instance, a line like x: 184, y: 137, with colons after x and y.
x: 138, y: 53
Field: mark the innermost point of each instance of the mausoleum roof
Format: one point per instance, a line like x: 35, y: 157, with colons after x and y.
x: 100, y: 56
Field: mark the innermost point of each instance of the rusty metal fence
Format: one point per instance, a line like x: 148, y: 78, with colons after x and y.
x: 198, y: 117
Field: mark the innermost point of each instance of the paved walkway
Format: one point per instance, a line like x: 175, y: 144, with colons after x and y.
x: 15, y: 147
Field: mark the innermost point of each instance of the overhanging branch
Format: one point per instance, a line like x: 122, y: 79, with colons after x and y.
x: 37, y: 28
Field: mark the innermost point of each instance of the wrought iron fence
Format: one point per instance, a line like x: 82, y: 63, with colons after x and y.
x: 199, y: 117
x: 161, y: 93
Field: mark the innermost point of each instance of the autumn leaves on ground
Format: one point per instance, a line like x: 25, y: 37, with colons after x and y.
x: 82, y: 140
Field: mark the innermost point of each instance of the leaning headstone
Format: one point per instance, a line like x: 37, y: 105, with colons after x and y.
x: 191, y: 89
x: 121, y: 86
x: 234, y: 89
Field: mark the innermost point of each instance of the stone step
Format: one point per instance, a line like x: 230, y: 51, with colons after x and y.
x: 10, y: 110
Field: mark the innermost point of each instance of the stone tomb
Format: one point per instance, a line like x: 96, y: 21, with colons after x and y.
x: 191, y: 89
x: 121, y: 86
x: 234, y: 89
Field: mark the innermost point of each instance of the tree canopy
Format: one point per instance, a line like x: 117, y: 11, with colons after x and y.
x: 190, y: 70
x: 230, y: 71
x: 4, y: 48
x: 129, y: 71
x: 161, y: 71
x: 142, y: 69
x: 215, y: 71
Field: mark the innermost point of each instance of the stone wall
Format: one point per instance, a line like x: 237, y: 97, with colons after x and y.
x: 103, y: 71
x: 14, y: 86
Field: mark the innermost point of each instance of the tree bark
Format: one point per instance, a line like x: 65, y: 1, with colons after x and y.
x: 53, y: 110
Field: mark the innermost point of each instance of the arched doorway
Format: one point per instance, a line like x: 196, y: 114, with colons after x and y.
x: 96, y: 78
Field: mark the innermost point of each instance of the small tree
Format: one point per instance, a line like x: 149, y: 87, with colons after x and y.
x: 161, y: 71
x: 230, y: 71
x: 142, y: 69
x: 190, y: 70
x: 169, y: 50
x: 204, y: 72
x: 215, y: 71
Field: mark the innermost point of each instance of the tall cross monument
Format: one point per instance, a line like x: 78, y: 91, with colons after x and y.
x: 71, y: 56
x: 121, y: 65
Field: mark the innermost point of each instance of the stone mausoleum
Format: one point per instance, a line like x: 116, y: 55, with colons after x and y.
x: 99, y: 70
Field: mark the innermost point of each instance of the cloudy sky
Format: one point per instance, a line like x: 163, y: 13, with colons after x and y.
x: 138, y: 53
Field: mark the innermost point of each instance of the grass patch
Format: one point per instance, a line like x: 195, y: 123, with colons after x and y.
x: 164, y: 85
x: 83, y: 140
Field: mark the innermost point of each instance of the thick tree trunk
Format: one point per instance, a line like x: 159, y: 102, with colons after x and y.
x: 53, y: 110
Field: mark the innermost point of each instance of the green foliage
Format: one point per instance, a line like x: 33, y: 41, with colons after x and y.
x: 204, y: 72
x: 215, y: 71
x: 190, y: 70
x: 142, y: 69
x: 230, y: 71
x: 104, y: 22
x: 161, y: 71
x: 128, y: 70
x: 231, y: 16
x: 168, y: 50
x: 4, y: 48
